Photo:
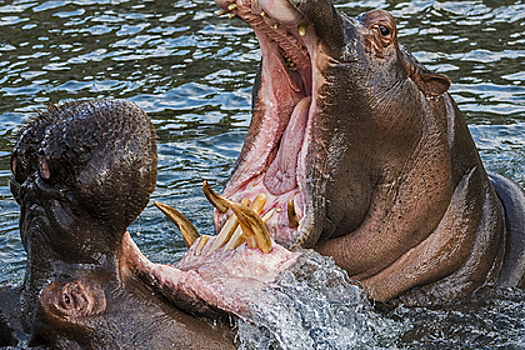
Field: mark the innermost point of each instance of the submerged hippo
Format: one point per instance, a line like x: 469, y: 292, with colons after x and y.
x: 82, y: 173
x: 363, y: 155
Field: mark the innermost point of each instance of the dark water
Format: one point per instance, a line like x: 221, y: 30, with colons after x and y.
x: 192, y: 73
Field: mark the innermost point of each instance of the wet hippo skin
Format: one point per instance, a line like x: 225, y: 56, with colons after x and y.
x: 82, y: 173
x: 364, y: 156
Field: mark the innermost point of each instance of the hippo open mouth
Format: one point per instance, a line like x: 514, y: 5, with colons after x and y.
x: 274, y: 159
x: 273, y: 197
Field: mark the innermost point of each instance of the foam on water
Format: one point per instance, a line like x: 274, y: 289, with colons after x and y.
x: 314, y: 305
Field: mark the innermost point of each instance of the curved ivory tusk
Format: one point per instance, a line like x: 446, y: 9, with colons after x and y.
x: 188, y: 231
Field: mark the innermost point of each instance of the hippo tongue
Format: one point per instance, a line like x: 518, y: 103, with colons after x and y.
x: 280, y: 177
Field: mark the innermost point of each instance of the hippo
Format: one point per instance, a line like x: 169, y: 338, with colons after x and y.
x: 82, y: 172
x: 362, y: 154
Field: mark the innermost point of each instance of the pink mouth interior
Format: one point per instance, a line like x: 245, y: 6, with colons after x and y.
x: 206, y: 283
x: 274, y: 164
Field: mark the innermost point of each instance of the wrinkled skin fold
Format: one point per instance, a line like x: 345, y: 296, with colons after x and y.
x: 374, y: 155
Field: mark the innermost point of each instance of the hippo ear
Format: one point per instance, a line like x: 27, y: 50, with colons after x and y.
x: 72, y: 301
x: 430, y: 83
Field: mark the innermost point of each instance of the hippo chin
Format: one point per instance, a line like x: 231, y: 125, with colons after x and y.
x: 82, y: 173
x: 363, y: 155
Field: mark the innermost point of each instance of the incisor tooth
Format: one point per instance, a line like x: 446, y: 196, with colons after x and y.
x: 202, y: 242
x: 236, y: 240
x: 258, y: 203
x: 302, y: 29
x: 231, y: 15
x: 232, y: 6
x: 217, y: 201
x: 267, y: 216
x: 222, y: 12
x: 293, y: 218
x: 227, y: 231
x: 188, y: 231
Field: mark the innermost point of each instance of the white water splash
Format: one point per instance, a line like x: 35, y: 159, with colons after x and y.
x: 315, y: 306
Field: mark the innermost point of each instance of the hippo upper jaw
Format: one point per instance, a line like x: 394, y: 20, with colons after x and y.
x: 279, y: 157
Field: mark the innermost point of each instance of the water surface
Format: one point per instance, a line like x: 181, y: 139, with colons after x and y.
x: 192, y: 71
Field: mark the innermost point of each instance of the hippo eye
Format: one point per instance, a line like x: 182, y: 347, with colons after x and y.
x: 384, y: 30
x: 67, y: 299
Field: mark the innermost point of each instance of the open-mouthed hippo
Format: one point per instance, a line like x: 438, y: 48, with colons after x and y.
x: 82, y: 172
x: 363, y: 155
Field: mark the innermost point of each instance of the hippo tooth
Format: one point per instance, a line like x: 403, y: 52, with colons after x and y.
x: 263, y: 14
x: 258, y: 203
x: 227, y: 231
x: 267, y: 216
x: 293, y: 218
x: 225, y: 235
x: 217, y: 201
x: 276, y: 25
x: 222, y: 12
x: 302, y: 29
x: 188, y: 231
x: 202, y: 242
x: 238, y: 238
x: 231, y: 15
x: 253, y: 228
x: 232, y: 6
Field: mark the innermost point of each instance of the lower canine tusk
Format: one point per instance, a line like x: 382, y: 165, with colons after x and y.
x: 253, y: 228
x: 217, y: 201
x: 188, y: 231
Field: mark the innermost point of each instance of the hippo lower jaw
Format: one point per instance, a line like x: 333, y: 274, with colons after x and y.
x: 276, y: 157
x: 213, y: 276
x: 210, y: 283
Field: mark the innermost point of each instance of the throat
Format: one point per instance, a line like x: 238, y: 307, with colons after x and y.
x: 281, y: 174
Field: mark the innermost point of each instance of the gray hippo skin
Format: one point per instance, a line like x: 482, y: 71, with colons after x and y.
x: 365, y: 157
x: 82, y: 173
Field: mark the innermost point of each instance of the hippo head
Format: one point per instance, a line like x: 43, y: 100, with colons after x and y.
x: 82, y: 168
x: 359, y: 149
x: 82, y: 173
x: 80, y: 183
x: 331, y: 115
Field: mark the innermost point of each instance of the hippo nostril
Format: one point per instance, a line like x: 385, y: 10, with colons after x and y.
x: 43, y: 168
x: 19, y: 167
